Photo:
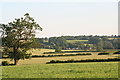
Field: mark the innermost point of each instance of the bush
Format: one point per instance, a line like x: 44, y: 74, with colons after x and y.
x: 118, y: 52
x: 103, y: 53
x: 58, y: 49
x: 5, y: 63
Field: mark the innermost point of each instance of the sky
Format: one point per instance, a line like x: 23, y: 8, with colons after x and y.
x: 65, y: 17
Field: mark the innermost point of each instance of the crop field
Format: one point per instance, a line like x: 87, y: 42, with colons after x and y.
x: 68, y: 70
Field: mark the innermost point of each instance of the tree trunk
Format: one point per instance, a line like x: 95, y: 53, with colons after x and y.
x: 15, y: 56
x: 15, y: 61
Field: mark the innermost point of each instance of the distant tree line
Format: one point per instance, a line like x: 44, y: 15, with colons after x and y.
x: 94, y: 42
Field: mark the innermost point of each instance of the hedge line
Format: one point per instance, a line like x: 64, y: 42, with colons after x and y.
x: 68, y: 52
x: 103, y: 53
x: 117, y: 52
x: 61, y: 55
x: 87, y: 60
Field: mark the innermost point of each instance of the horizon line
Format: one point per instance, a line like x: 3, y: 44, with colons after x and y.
x: 79, y: 35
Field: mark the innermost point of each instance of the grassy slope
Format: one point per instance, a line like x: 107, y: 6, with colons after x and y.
x: 68, y: 70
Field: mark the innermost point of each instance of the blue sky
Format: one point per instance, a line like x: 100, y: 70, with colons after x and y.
x: 66, y: 18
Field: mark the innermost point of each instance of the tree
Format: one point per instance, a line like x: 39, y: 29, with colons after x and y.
x: 87, y: 46
x: 18, y: 37
x: 116, y: 43
x: 108, y: 45
x: 58, y: 49
x: 58, y: 41
x: 105, y: 38
x: 94, y: 40
x: 99, y: 46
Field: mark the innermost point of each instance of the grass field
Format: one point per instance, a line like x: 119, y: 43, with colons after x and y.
x: 40, y: 51
x: 74, y: 41
x: 37, y: 67
x: 68, y: 70
x: 43, y: 60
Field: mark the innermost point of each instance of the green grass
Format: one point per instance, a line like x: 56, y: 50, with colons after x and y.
x: 68, y: 70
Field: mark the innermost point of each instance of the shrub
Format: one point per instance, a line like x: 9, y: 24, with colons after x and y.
x: 103, y: 53
x: 72, y: 60
x: 58, y: 49
x: 118, y: 52
x: 52, y: 61
x: 5, y: 63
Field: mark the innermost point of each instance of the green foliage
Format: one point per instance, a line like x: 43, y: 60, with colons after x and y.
x: 19, y: 36
x: 58, y: 49
x: 94, y: 40
x: 58, y: 42
x: 116, y: 43
x: 5, y: 63
x: 62, y: 55
x: 79, y: 42
x: 99, y: 48
x: 108, y: 45
x: 87, y: 60
x: 118, y: 52
x: 103, y: 53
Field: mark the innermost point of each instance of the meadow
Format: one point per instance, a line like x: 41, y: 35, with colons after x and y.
x: 44, y: 60
x: 67, y: 70
x: 37, y: 67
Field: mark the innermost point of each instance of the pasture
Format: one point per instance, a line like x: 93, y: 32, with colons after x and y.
x: 68, y: 70
x: 43, y: 60
x: 37, y: 67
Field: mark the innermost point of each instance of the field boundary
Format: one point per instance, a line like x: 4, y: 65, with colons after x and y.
x: 87, y: 60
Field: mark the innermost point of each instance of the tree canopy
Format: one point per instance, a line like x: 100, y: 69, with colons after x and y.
x: 18, y: 37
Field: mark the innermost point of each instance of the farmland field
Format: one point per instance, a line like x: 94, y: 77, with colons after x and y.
x: 43, y: 60
x: 40, y: 51
x: 37, y: 67
x: 74, y: 41
x: 68, y: 70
